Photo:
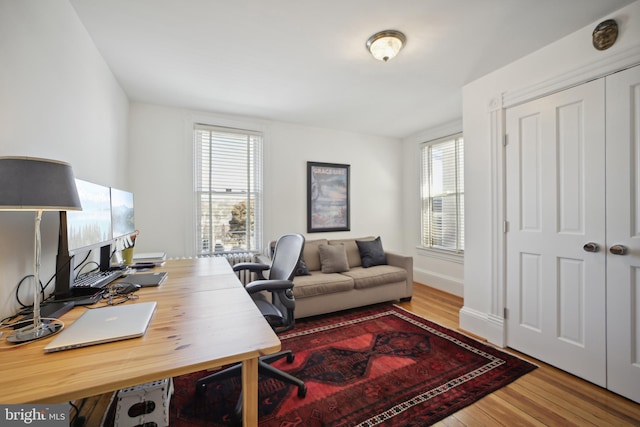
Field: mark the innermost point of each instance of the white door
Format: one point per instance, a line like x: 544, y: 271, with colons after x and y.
x: 555, y: 189
x: 623, y: 229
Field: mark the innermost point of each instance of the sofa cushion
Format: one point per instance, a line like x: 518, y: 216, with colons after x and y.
x: 320, y: 284
x: 333, y: 259
x: 371, y: 252
x: 375, y: 276
x: 353, y: 254
x: 311, y: 254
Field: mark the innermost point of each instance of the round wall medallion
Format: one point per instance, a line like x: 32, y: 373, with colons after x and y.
x: 605, y: 34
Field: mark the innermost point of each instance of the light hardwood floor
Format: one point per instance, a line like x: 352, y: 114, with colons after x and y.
x: 545, y: 397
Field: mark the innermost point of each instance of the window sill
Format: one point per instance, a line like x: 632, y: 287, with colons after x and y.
x: 441, y: 254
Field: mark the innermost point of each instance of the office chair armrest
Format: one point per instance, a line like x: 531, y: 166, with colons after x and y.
x: 253, y: 267
x: 269, y: 285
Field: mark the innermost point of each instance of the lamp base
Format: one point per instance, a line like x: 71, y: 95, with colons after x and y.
x: 32, y: 333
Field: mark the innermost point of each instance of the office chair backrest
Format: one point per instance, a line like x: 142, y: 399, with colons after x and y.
x: 286, y: 256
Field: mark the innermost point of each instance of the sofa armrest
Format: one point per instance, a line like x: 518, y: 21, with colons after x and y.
x: 402, y: 261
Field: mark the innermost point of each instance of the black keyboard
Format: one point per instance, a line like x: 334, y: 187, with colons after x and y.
x: 97, y: 280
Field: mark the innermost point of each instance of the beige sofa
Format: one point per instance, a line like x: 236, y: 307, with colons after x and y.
x: 319, y: 293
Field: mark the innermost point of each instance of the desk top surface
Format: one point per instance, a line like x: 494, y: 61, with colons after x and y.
x: 204, y: 319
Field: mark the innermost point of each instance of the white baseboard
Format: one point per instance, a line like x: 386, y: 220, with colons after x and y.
x: 496, y: 332
x: 473, y: 321
x: 443, y: 283
x: 484, y: 325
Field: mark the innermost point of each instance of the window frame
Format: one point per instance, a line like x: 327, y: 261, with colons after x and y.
x: 254, y: 190
x: 450, y: 254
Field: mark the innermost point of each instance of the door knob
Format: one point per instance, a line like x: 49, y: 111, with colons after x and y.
x: 591, y: 247
x: 618, y: 250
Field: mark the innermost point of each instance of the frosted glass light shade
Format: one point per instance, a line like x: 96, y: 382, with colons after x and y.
x: 386, y: 44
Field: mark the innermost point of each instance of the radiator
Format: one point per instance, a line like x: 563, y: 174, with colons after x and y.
x: 236, y: 257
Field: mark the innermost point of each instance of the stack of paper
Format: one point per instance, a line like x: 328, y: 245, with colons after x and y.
x: 144, y: 259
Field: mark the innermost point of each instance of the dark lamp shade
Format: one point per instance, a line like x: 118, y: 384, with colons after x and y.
x: 33, y: 184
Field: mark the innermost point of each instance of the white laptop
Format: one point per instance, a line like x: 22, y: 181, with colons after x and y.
x: 105, y: 324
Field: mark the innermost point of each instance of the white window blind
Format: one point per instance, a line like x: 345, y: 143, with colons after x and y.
x: 228, y: 186
x: 443, y: 194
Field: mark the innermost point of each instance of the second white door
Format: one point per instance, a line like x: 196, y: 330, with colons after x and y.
x: 555, y: 187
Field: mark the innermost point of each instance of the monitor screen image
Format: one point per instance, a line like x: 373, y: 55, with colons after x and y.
x: 90, y: 227
x: 122, y: 214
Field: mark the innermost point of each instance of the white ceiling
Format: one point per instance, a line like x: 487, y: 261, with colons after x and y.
x: 304, y: 61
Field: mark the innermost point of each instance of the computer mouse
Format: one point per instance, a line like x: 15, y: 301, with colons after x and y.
x: 125, y: 288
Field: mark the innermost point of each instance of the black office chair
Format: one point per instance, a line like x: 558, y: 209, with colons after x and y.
x: 277, y: 310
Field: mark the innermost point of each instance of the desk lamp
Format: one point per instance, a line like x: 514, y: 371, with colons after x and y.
x: 32, y: 184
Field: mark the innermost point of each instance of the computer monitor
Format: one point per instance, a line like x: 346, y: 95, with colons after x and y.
x: 82, y: 231
x: 122, y: 213
x: 91, y: 227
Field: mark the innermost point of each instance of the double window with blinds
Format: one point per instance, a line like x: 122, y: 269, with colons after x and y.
x: 442, y: 193
x: 228, y: 190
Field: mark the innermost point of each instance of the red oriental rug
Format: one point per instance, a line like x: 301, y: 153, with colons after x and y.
x: 377, y: 366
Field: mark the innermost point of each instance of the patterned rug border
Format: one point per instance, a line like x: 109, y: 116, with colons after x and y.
x: 383, y: 310
x: 471, y: 337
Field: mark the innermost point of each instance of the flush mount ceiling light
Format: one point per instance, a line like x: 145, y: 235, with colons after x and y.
x: 386, y: 44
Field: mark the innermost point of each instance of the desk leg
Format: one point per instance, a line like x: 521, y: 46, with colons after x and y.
x: 250, y: 393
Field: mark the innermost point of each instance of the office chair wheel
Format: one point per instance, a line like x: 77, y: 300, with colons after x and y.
x: 302, y: 391
x: 201, y: 390
x: 290, y: 358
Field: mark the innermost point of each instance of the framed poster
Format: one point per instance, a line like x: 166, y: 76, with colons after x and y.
x: 327, y: 197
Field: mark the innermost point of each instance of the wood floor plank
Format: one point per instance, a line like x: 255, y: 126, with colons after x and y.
x: 475, y: 416
x: 450, y: 421
x: 596, y: 405
x: 506, y: 413
x: 547, y: 411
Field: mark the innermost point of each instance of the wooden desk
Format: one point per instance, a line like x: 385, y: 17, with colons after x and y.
x: 204, y: 319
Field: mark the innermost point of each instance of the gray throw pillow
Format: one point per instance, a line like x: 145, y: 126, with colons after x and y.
x: 371, y: 252
x: 333, y: 258
x: 301, y: 268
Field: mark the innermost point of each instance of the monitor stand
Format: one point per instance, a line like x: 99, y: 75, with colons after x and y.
x: 65, y: 291
x: 81, y: 296
x: 48, y: 310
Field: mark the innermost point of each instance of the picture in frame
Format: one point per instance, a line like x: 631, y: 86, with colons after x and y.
x: 327, y: 197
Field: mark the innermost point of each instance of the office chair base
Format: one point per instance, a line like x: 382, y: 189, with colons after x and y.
x: 267, y: 370
x: 264, y: 368
x: 270, y: 358
x: 302, y: 391
x: 201, y: 384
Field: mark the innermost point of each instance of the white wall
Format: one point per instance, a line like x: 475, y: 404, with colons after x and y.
x: 161, y: 142
x: 59, y: 100
x: 432, y: 268
x: 569, y: 61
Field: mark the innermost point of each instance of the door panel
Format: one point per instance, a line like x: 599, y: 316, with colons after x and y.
x: 530, y: 291
x: 623, y: 228
x: 555, y: 178
x: 571, y: 313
